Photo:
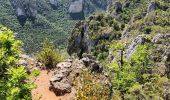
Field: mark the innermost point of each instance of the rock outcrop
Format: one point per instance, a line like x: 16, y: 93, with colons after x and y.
x: 54, y: 3
x: 161, y: 53
x: 86, y: 35
x: 65, y: 72
x: 151, y: 7
x: 79, y: 42
x: 93, y: 65
x: 29, y: 63
x: 76, y: 9
x: 141, y: 39
x: 63, y: 76
x: 118, y: 7
x: 24, y: 10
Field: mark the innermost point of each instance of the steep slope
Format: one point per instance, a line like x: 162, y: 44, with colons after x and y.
x: 35, y: 20
x: 124, y: 20
x: 132, y: 39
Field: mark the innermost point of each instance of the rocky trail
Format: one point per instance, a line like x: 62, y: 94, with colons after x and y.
x: 58, y: 83
x: 42, y: 92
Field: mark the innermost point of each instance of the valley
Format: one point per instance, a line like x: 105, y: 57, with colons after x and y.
x: 84, y: 49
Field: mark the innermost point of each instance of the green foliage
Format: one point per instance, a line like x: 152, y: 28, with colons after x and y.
x: 49, y: 23
x: 118, y: 45
x: 141, y: 56
x: 151, y: 90
x: 17, y: 86
x: 9, y: 48
x: 148, y: 30
x: 49, y: 55
x: 124, y: 76
x: 14, y: 83
x: 54, y: 24
x: 135, y: 80
x: 35, y: 73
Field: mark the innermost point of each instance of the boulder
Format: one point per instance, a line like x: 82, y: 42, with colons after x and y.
x: 60, y: 88
x: 54, y: 3
x: 61, y: 80
x: 76, y: 10
x: 93, y: 65
x: 65, y: 73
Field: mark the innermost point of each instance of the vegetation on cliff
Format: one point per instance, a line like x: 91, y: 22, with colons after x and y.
x: 132, y: 39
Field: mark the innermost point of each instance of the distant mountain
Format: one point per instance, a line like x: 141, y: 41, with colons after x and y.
x: 35, y: 20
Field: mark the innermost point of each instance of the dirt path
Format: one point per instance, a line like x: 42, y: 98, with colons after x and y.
x: 42, y: 92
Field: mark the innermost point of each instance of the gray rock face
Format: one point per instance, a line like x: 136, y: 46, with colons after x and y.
x: 54, y: 3
x: 151, y: 7
x: 158, y: 38
x: 133, y: 46
x: 65, y: 72
x: 118, y: 7
x: 93, y: 65
x: 79, y: 8
x: 21, y: 16
x: 80, y: 43
x: 62, y: 78
x: 76, y: 9
x: 24, y: 9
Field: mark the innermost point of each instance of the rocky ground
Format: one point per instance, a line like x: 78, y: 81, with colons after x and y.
x: 58, y: 83
x: 42, y: 92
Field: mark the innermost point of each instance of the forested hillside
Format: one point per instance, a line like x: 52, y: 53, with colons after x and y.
x: 116, y: 49
x: 46, y: 19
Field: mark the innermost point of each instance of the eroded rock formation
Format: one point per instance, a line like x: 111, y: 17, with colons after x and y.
x: 24, y: 9
x: 62, y: 79
x: 76, y: 9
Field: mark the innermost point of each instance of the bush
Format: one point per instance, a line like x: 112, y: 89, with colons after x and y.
x: 14, y: 83
x: 134, y: 80
x: 91, y: 87
x: 48, y: 55
x: 148, y: 30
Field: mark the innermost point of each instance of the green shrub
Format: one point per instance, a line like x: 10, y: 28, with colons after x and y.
x: 35, y: 73
x: 134, y: 80
x: 48, y: 55
x: 91, y: 87
x: 148, y: 30
x: 14, y: 81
